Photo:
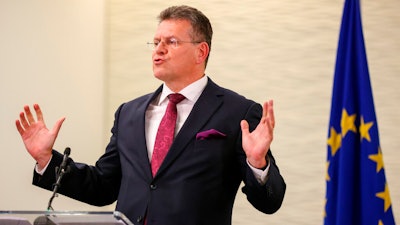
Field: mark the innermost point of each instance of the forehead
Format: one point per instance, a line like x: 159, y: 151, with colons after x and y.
x: 174, y: 28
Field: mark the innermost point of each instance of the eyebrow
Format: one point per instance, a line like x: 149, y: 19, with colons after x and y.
x: 167, y: 37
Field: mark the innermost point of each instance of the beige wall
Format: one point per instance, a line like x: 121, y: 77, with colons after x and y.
x: 51, y: 53
x: 82, y: 58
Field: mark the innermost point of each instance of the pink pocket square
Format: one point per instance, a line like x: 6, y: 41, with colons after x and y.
x: 212, y: 133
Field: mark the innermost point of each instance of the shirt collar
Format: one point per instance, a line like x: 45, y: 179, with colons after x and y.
x: 192, y: 92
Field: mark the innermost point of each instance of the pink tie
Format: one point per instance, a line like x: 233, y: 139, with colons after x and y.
x: 165, y: 133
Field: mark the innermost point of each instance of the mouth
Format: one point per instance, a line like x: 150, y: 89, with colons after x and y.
x: 158, y: 61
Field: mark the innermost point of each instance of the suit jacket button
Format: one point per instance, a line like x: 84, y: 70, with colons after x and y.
x: 153, y: 186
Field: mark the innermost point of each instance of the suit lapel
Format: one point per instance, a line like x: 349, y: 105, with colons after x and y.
x: 209, y: 101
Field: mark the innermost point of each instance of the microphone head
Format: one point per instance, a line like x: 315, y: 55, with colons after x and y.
x: 67, y: 151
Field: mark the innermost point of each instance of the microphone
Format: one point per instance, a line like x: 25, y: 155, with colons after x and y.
x: 63, y: 165
x: 63, y: 169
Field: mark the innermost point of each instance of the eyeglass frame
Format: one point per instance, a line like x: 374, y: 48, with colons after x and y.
x: 172, y: 41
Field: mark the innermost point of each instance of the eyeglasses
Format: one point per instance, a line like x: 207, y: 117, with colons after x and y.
x: 169, y: 43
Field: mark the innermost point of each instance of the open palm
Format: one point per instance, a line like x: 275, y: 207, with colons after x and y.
x: 38, y: 140
x: 257, y: 143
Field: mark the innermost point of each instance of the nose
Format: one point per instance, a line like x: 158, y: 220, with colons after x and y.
x: 161, y: 48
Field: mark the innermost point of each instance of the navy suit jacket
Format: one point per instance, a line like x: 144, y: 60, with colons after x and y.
x: 198, y: 180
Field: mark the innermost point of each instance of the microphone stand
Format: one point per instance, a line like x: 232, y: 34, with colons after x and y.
x: 59, y: 175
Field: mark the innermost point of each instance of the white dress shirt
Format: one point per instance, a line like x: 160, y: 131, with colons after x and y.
x: 157, y: 108
x: 155, y: 111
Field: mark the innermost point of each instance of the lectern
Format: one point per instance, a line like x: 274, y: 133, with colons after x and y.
x: 63, y: 218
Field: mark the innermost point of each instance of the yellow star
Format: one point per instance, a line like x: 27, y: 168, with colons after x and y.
x: 327, y: 177
x: 380, y: 222
x: 347, y: 123
x: 335, y: 141
x: 364, y: 129
x: 378, y: 158
x: 385, y: 196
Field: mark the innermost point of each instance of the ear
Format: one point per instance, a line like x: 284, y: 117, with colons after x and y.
x: 202, y: 52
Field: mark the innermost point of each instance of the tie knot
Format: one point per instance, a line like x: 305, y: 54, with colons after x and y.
x: 176, y: 98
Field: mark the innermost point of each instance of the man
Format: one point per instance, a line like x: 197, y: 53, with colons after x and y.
x: 221, y: 139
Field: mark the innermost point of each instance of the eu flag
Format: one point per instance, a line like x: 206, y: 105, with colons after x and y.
x: 357, y: 191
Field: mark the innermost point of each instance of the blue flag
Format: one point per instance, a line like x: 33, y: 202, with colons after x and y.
x: 357, y: 192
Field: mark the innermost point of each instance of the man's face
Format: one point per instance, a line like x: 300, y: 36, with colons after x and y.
x: 174, y: 57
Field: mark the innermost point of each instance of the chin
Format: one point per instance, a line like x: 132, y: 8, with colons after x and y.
x: 159, y: 76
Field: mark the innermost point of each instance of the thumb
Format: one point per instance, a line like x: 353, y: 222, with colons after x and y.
x: 245, y: 127
x: 57, y: 126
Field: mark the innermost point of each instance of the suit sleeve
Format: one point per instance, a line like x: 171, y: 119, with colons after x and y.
x: 266, y: 198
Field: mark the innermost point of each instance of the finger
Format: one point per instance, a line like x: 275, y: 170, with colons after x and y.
x: 265, y: 109
x: 28, y: 114
x: 271, y: 114
x: 22, y: 118
x: 19, y: 127
x: 270, y: 129
x: 38, y: 111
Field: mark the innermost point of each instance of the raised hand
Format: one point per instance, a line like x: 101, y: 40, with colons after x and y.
x: 38, y: 140
x: 257, y: 143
